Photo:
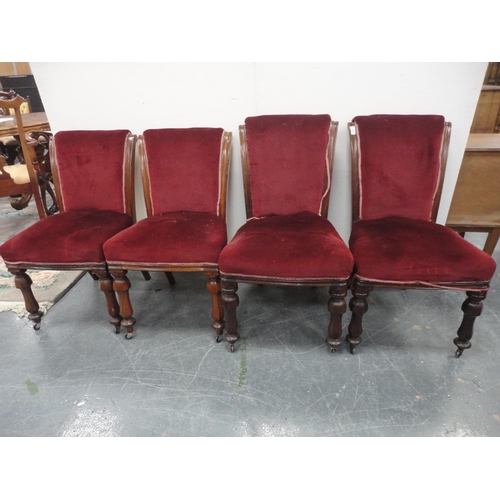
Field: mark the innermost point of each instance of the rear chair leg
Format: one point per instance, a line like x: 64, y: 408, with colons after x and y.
x: 170, y: 277
x: 337, y: 307
x: 472, y: 308
x: 23, y: 282
x: 106, y: 285
x: 230, y: 302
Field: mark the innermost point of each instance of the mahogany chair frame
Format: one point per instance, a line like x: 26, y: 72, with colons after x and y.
x: 337, y: 288
x: 122, y: 283
x: 361, y: 288
x: 24, y: 282
x: 12, y: 101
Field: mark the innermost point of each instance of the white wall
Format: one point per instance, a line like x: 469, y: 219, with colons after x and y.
x: 138, y: 96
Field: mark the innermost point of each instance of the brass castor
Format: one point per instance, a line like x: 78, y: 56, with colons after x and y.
x: 458, y: 353
x: 352, y: 348
x: 218, y: 338
x: 117, y: 329
x: 128, y: 336
x: 36, y: 326
x: 333, y: 349
x: 231, y: 348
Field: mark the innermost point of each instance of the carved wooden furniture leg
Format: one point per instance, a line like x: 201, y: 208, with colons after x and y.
x: 472, y: 308
x: 23, y: 282
x: 358, y: 306
x: 214, y: 288
x: 230, y: 302
x: 121, y: 285
x: 337, y: 307
x: 106, y: 285
x: 21, y: 203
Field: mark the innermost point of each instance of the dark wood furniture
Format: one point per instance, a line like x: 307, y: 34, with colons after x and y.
x: 475, y: 206
x: 184, y: 173
x: 23, y: 174
x: 287, y: 240
x: 93, y: 176
x: 398, y: 165
x: 40, y: 157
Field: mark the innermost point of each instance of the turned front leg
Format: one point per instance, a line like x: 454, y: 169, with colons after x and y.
x: 23, y: 282
x: 106, y: 286
x: 121, y: 285
x: 337, y: 308
x: 358, y: 306
x: 214, y: 288
x: 472, y: 308
x: 230, y: 302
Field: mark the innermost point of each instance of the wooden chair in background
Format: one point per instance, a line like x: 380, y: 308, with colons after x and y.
x: 22, y: 174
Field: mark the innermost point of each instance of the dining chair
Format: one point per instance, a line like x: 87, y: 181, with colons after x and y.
x: 11, y: 144
x: 93, y: 176
x: 184, y: 174
x: 398, y: 166
x: 20, y: 178
x: 287, y: 239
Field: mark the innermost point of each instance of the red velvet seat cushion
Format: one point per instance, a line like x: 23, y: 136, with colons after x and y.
x: 175, y: 238
x: 405, y: 250
x: 297, y: 246
x: 73, y: 237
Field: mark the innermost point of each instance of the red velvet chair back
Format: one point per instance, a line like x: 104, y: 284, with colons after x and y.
x: 184, y: 170
x: 287, y: 163
x: 398, y: 165
x: 93, y: 169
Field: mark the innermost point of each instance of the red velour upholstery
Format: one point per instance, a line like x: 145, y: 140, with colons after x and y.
x: 184, y: 180
x: 184, y: 161
x: 93, y: 172
x: 399, y: 159
x: 74, y: 237
x: 174, y: 238
x: 297, y: 246
x: 414, y: 251
x: 287, y: 163
x: 287, y: 240
x: 398, y: 164
x: 91, y: 169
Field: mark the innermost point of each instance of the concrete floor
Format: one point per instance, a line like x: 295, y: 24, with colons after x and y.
x: 76, y: 377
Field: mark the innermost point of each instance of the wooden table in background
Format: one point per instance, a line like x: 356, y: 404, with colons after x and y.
x: 475, y: 206
x: 31, y: 122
